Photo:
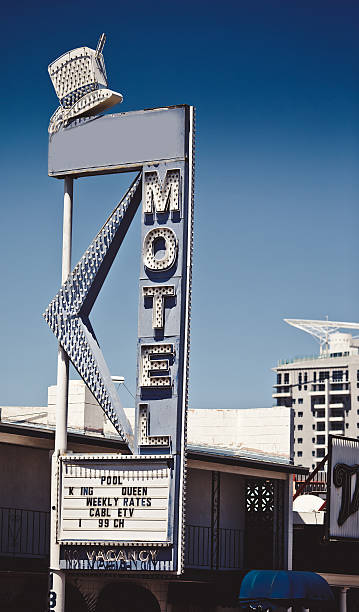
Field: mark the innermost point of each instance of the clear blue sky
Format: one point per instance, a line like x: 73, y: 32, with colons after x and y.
x: 275, y: 84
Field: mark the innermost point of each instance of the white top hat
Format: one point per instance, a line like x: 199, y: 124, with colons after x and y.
x: 80, y: 81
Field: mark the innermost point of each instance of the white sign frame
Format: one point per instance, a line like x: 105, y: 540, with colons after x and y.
x: 115, y: 493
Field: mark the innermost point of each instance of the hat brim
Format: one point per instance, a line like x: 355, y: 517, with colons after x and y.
x: 92, y: 103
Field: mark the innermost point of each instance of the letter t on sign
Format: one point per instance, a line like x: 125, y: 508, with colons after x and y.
x: 158, y: 294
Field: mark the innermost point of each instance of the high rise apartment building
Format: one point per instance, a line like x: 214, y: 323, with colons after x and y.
x: 322, y: 389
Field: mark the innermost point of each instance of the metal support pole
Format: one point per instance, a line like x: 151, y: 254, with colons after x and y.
x: 216, y: 503
x: 343, y: 599
x: 57, y: 577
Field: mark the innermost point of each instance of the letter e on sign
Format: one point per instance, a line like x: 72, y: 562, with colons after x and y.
x: 151, y: 368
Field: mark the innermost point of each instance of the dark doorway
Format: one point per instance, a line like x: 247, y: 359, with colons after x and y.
x: 264, y: 516
x: 126, y: 597
x: 74, y: 600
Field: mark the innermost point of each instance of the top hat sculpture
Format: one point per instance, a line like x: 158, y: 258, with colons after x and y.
x: 80, y: 81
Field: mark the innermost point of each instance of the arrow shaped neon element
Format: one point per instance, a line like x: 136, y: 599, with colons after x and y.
x: 68, y: 313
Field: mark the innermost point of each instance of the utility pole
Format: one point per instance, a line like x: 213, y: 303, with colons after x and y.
x: 57, y: 577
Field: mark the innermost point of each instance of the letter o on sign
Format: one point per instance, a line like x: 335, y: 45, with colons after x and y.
x: 171, y: 247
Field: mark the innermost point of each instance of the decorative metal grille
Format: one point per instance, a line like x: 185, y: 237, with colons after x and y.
x: 24, y: 533
x: 198, y: 548
x: 216, y: 499
x: 260, y: 498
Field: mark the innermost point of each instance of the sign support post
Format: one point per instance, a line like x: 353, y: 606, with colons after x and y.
x: 57, y: 577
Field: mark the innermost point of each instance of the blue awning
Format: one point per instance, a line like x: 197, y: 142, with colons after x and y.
x: 285, y: 586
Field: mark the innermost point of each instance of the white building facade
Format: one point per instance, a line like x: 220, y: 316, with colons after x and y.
x: 322, y: 390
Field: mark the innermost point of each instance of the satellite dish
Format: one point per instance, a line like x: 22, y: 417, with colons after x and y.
x: 307, y: 503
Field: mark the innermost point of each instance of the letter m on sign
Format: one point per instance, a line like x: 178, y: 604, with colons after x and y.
x: 161, y: 196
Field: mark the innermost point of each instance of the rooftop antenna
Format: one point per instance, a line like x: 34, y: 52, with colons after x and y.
x: 321, y: 330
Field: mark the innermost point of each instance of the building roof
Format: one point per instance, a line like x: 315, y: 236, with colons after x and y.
x: 244, y: 459
x: 30, y: 431
x: 31, y: 434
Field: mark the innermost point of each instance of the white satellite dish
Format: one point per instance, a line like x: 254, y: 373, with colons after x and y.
x: 307, y: 503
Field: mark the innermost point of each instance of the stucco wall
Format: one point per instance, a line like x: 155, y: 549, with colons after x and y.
x: 232, y: 501
x: 198, y: 497
x: 267, y: 430
x: 24, y: 477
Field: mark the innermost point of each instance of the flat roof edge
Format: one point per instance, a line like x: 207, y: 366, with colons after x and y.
x: 246, y: 462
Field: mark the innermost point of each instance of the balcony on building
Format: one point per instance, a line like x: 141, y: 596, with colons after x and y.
x: 282, y: 390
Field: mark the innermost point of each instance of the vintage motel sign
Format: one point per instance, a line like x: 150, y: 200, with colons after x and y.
x: 342, y: 521
x: 159, y: 145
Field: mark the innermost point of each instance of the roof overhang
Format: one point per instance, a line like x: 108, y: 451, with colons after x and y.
x: 257, y: 462
x: 40, y: 437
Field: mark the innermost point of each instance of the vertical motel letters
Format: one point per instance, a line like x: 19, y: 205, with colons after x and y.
x: 159, y: 197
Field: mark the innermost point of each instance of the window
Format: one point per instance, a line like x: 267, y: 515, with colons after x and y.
x: 320, y: 452
x: 347, y: 425
x: 300, y: 440
x: 300, y: 427
x: 313, y: 455
x: 337, y: 375
x: 300, y: 400
x: 314, y: 377
x: 336, y: 412
x: 313, y: 426
x: 336, y: 427
x: 293, y: 401
x: 320, y: 439
x: 313, y: 440
x: 300, y: 454
x: 324, y: 375
x: 320, y: 426
x: 300, y: 381
x: 300, y: 414
x: 286, y: 378
x: 305, y: 380
x: 346, y: 375
x: 358, y: 375
x: 279, y: 379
